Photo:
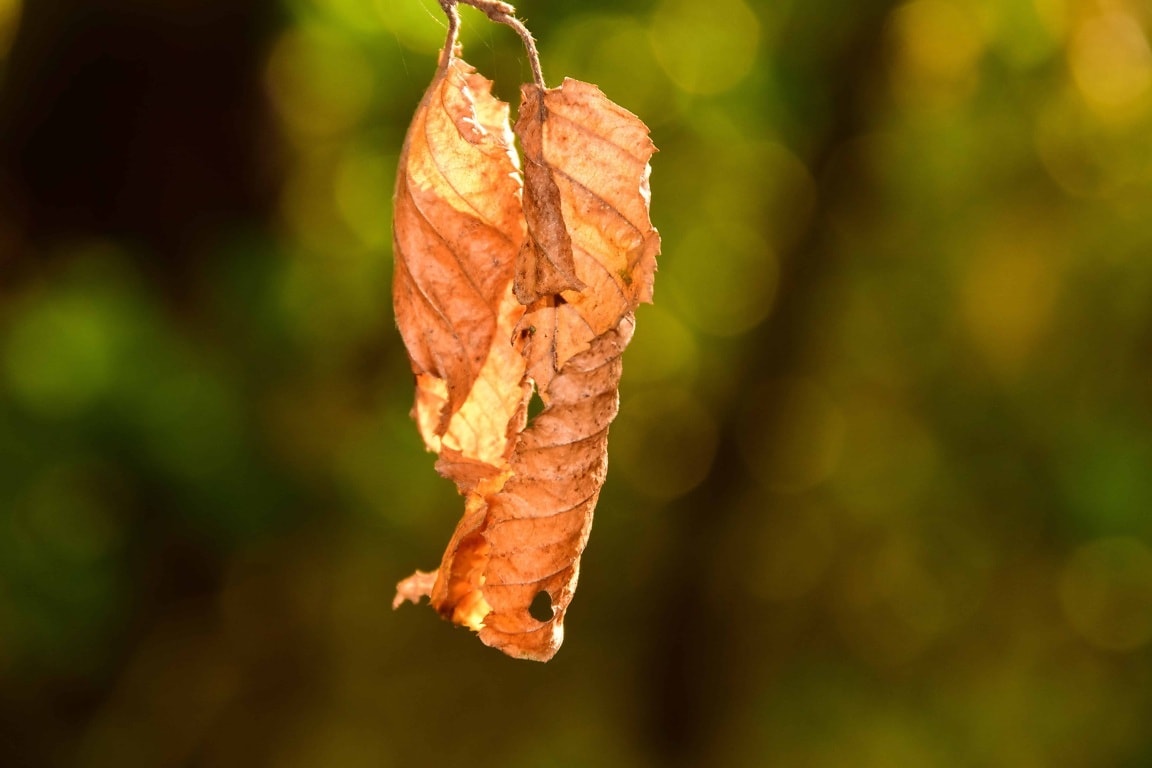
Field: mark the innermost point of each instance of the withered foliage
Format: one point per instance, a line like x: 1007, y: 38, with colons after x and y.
x: 508, y: 281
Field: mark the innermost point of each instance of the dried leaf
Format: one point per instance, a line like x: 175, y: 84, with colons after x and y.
x: 596, y: 155
x: 545, y: 265
x: 587, y: 261
x: 537, y: 526
x: 457, y: 228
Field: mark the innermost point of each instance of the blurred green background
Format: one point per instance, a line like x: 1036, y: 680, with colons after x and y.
x: 880, y: 488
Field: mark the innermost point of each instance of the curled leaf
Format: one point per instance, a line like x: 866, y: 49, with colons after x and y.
x: 596, y: 155
x: 588, y: 259
x: 456, y: 230
x: 545, y: 265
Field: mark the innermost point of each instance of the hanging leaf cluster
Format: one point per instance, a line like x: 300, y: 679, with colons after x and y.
x: 512, y: 279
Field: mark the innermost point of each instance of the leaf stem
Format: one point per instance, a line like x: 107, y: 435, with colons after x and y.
x: 501, y: 13
x: 449, y: 51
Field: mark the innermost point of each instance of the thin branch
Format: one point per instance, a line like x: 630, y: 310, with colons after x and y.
x: 501, y: 13
x: 449, y: 51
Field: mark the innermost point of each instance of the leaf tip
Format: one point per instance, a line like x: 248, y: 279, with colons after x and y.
x: 413, y: 588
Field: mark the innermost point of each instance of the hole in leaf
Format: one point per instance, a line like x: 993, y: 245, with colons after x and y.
x: 535, y: 405
x: 541, y: 608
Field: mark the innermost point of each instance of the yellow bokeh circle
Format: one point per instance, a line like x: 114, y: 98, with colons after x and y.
x: 1106, y: 593
x: 705, y: 48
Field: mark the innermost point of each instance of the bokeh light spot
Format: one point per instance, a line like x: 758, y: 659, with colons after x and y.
x: 1067, y: 151
x: 1106, y: 593
x: 357, y: 15
x: 664, y: 444
x: 1009, y: 293
x: 750, y: 180
x: 611, y: 51
x: 320, y: 83
x: 939, y: 45
x: 891, y: 606
x: 60, y: 355
x: 705, y: 48
x: 1111, y: 61
x: 1053, y: 15
x: 1019, y: 33
x: 665, y: 350
x: 419, y: 25
x: 310, y: 205
x: 723, y: 280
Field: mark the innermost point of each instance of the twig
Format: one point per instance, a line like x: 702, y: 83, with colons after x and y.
x: 501, y: 13
x: 453, y: 15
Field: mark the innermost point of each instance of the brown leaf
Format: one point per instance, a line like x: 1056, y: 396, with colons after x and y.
x: 537, y: 526
x: 545, y: 265
x: 588, y: 260
x: 457, y: 228
x: 596, y: 155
